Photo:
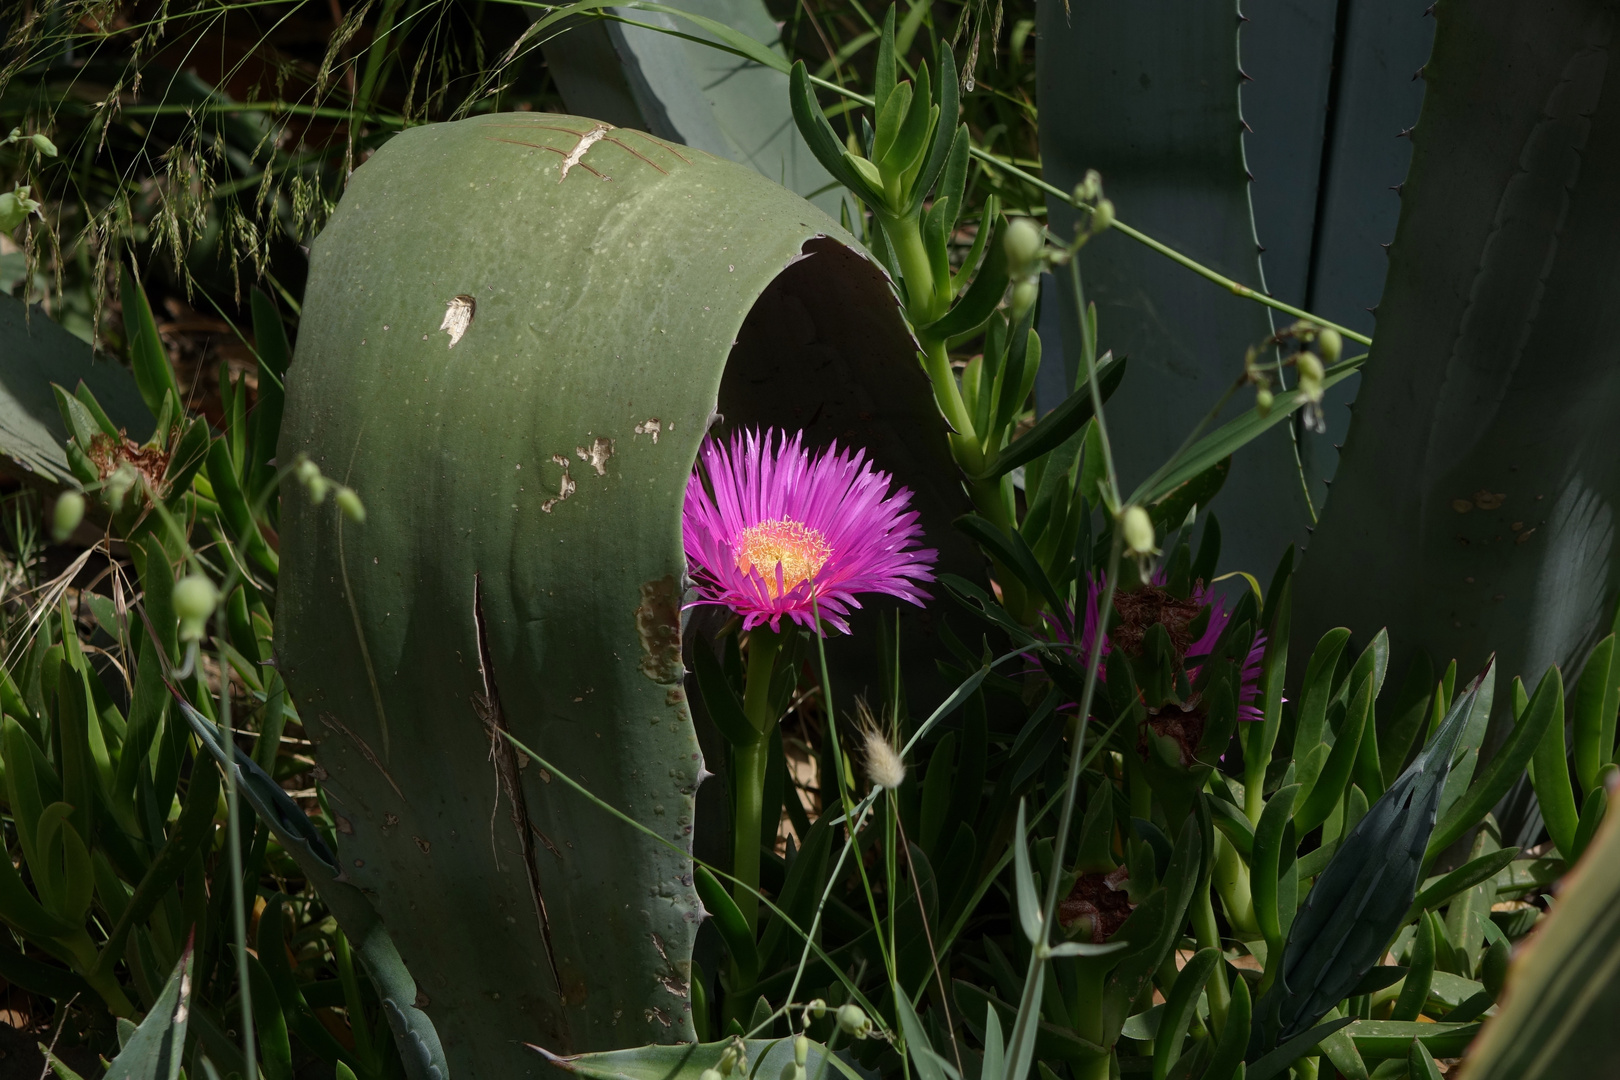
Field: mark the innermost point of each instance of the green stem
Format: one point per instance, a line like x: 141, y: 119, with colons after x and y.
x: 1209, y: 937
x: 937, y: 363
x: 1167, y: 251
x: 905, y: 237
x: 748, y: 768
x: 233, y: 834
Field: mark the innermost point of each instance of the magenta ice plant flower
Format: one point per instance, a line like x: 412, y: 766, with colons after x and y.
x: 768, y: 526
x: 1141, y: 609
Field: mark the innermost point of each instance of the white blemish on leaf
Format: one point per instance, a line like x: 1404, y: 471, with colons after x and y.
x: 577, y: 154
x: 458, y: 315
x: 651, y: 426
x: 597, y: 454
x: 564, y: 489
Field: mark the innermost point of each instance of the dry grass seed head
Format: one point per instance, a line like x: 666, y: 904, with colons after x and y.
x: 879, y: 757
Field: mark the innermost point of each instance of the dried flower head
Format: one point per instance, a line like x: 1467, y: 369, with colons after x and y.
x: 1140, y: 610
x: 882, y: 761
x: 768, y: 526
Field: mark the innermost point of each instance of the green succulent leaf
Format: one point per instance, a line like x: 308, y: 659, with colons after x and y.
x: 1471, y: 873
x: 157, y: 1048
x: 1057, y: 426
x: 686, y: 1061
x: 1358, y: 902
x: 1506, y: 766
x: 1179, y: 1008
x: 153, y: 374
x: 1274, y: 1063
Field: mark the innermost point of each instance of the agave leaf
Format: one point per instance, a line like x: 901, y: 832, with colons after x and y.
x: 1326, y: 194
x: 39, y: 353
x: 155, y: 1050
x: 1170, y: 152
x: 612, y: 321
x: 1563, y: 987
x: 1471, y: 480
x: 667, y: 76
x: 419, y: 1046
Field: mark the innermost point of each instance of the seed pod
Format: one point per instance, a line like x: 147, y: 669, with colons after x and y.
x: 1090, y: 187
x: 309, y: 474
x: 194, y: 599
x: 1262, y: 400
x: 350, y: 504
x: 1102, y: 218
x: 1310, y: 367
x: 67, y: 514
x: 1330, y: 344
x: 1024, y: 295
x: 852, y: 1020
x: 1138, y: 531
x: 1023, y: 244
x: 116, y: 488
x: 801, y: 1051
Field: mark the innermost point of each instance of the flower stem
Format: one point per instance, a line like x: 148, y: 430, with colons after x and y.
x: 748, y: 768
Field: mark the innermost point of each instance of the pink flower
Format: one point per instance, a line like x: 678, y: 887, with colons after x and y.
x: 767, y: 526
x: 1142, y: 608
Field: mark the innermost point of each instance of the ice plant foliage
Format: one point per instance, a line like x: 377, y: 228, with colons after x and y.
x: 1139, y: 610
x: 768, y: 525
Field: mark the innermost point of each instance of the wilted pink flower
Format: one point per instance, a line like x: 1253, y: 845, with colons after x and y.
x: 767, y: 526
x: 1141, y: 609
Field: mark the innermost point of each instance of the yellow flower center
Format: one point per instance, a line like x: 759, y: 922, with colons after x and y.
x: 798, y: 549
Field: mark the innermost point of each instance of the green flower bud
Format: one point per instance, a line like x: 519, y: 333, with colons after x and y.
x: 349, y: 503
x: 1309, y: 366
x: 792, y: 1071
x: 43, y: 145
x: 818, y: 1008
x: 309, y: 474
x: 1102, y: 218
x: 852, y: 1020
x: 1330, y: 344
x: 1023, y: 243
x: 1089, y: 188
x: 1137, y: 529
x: 734, y: 1055
x: 67, y: 514
x: 1263, y: 400
x: 194, y: 599
x: 117, y: 487
x: 801, y: 1051
x: 710, y: 1074
x: 1024, y: 295
x: 15, y: 206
